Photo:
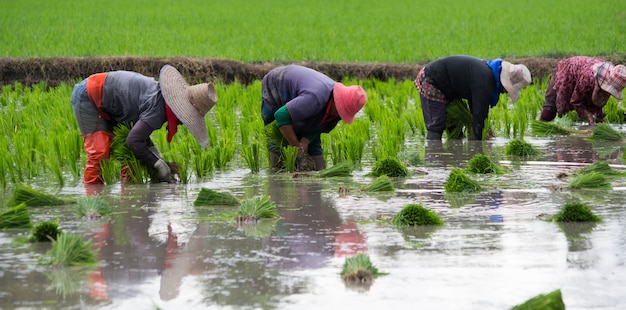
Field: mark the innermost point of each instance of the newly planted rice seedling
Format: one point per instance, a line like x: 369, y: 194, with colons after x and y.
x: 381, y: 184
x: 15, y: 217
x: 45, y: 231
x: 34, y: 198
x: 289, y: 155
x: 343, y: 169
x: 576, y: 212
x: 416, y: 215
x: 70, y: 250
x: 594, y: 179
x: 251, y: 154
x: 359, y: 272
x: 209, y: 197
x: 459, y: 120
x: 550, y: 301
x: 254, y: 209
x: 459, y: 182
x: 390, y: 166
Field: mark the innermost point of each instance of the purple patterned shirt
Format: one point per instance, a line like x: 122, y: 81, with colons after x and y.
x: 574, y: 83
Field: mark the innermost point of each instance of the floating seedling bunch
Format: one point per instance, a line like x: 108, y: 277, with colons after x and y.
x: 590, y: 180
x: 34, y: 198
x: 542, y: 128
x: 252, y: 210
x: 576, y: 212
x: 359, y: 272
x: 93, y: 207
x: 480, y: 163
x: 45, y: 231
x: 550, y: 301
x: 209, y: 197
x: 459, y: 182
x: 70, y: 250
x: 521, y: 148
x: 390, y: 166
x: 416, y: 215
x: 343, y: 169
x: 605, y: 132
x: 381, y: 184
x: 15, y: 217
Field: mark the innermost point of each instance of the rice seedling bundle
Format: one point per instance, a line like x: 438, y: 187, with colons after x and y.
x: 592, y: 179
x: 606, y: 132
x: 459, y: 182
x: 390, y: 166
x: 518, y: 147
x: 15, y: 217
x: 343, y: 169
x: 480, y: 163
x: 45, y: 231
x: 358, y: 271
x: 576, y: 212
x: 34, y: 198
x: 547, y: 128
x: 600, y: 166
x: 381, y: 184
x: 458, y: 118
x: 70, y: 250
x: 253, y: 209
x: 93, y: 207
x: 137, y: 171
x: 550, y: 301
x: 209, y: 197
x: 416, y: 215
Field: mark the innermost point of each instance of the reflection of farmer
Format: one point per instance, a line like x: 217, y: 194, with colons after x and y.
x: 105, y: 99
x: 478, y: 81
x: 582, y: 84
x: 306, y: 103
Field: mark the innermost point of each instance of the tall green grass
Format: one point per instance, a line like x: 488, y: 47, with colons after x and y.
x: 388, y: 31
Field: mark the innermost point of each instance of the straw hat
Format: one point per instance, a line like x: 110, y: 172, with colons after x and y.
x: 189, y: 103
x: 611, y: 79
x: 348, y: 100
x: 514, y: 78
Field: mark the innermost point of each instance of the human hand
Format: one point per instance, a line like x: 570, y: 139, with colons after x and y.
x: 164, y: 171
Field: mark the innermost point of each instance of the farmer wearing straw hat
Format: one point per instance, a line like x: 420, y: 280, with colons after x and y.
x: 582, y: 84
x: 478, y: 81
x: 104, y: 100
x: 305, y: 103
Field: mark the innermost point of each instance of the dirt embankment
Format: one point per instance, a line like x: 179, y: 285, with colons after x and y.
x: 54, y: 71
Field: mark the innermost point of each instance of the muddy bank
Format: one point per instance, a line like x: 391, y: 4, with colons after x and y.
x: 67, y: 69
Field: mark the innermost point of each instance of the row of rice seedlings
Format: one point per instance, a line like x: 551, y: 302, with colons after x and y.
x: 416, y: 215
x: 359, y: 272
x: 209, y: 197
x: 390, y: 166
x: 23, y: 193
x: 381, y: 184
x: 348, y: 142
x: 482, y: 164
x: 343, y: 169
x: 459, y: 182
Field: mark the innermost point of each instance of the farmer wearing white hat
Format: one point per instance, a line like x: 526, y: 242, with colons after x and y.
x: 478, y: 81
x: 104, y: 100
x: 582, y: 84
x: 305, y: 103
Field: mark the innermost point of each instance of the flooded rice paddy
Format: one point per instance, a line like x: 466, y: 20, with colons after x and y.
x: 158, y: 251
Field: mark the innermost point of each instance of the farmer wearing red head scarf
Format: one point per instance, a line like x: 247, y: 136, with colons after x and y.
x: 104, y: 100
x: 305, y: 103
x: 582, y: 84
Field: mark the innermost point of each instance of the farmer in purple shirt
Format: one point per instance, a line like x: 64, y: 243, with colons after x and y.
x: 104, y: 100
x: 582, y: 84
x: 478, y: 81
x: 305, y: 103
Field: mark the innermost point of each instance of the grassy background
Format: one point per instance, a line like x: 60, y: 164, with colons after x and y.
x: 397, y: 31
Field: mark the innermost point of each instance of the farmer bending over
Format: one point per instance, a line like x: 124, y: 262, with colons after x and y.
x: 582, y: 84
x: 478, y: 81
x: 306, y: 103
x: 104, y: 100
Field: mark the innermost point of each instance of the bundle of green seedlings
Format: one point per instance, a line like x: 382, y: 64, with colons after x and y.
x: 460, y: 183
x: 542, y: 128
x: 550, y: 301
x: 343, y: 169
x: 45, y: 232
x: 209, y: 197
x: 93, y: 207
x: 416, y: 215
x: 458, y: 119
x: 518, y: 147
x: 252, y: 210
x: 605, y: 132
x: 137, y: 171
x: 70, y: 250
x: 359, y: 272
x: 575, y: 212
x: 594, y: 180
x: 390, y: 166
x: 33, y: 198
x: 480, y: 163
x: 381, y: 184
x: 601, y: 167
x: 15, y: 217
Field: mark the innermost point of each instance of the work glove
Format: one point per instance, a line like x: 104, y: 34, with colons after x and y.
x: 164, y: 171
x: 156, y: 152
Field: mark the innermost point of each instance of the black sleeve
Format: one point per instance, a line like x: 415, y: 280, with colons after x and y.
x: 138, y: 141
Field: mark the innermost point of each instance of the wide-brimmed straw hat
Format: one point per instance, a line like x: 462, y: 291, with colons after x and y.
x: 611, y: 79
x: 189, y: 103
x: 514, y: 78
x: 348, y: 100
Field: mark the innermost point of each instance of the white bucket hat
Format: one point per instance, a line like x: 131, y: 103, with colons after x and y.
x: 189, y: 103
x: 514, y: 78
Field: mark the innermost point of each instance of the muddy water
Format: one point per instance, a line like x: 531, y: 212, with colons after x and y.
x: 159, y: 251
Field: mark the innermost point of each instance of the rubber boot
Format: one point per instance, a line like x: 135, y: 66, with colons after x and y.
x: 97, y: 146
x: 431, y: 135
